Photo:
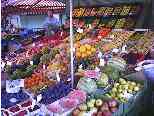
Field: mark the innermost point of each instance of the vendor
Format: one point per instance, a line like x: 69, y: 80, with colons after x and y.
x: 51, y: 24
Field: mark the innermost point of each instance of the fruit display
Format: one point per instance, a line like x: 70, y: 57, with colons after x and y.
x: 88, y: 85
x: 123, y: 90
x: 103, y: 80
x: 52, y: 94
x: 37, y: 82
x: 96, y: 107
x: 84, y: 51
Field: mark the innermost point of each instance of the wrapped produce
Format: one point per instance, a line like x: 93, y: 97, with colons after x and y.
x: 88, y: 85
x: 79, y: 95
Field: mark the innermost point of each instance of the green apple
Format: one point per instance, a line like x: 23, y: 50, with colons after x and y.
x: 121, y: 80
x: 133, y: 83
x: 131, y: 87
x: 90, y: 104
x: 120, y: 90
x: 114, y: 90
x: 136, y: 88
x: 130, y: 91
x: 120, y: 95
x: 93, y: 101
x: 116, y: 85
x: 99, y: 102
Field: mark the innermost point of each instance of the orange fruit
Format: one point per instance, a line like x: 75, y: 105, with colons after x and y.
x: 89, y: 53
x: 93, y: 49
x: 78, y: 54
x: 83, y: 55
x: 82, y: 49
x: 88, y: 47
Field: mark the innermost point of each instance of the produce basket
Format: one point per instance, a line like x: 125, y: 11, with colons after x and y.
x: 129, y: 107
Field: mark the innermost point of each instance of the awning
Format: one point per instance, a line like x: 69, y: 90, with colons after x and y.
x: 35, y: 6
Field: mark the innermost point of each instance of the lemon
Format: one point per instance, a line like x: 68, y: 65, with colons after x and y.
x: 78, y: 54
x: 82, y: 49
x: 93, y: 49
x: 88, y: 46
x: 83, y: 55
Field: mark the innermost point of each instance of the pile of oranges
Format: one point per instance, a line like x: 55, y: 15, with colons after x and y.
x: 84, y: 51
x: 35, y: 80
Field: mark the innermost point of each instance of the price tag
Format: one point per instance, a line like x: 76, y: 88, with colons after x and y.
x: 127, y: 95
x: 79, y: 30
x: 33, y: 45
x: 91, y: 74
x: 39, y: 97
x: 44, y: 67
x: 102, y: 62
x: 31, y: 62
x: 57, y: 75
x: 80, y: 67
x: 100, y: 55
x: 14, y: 86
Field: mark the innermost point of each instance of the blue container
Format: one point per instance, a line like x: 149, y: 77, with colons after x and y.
x: 149, y: 74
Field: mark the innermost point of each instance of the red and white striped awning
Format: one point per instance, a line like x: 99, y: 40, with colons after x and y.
x: 53, y: 4
x: 50, y: 3
x: 35, y: 6
x: 23, y: 2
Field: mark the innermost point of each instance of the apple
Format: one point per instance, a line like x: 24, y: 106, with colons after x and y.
x: 93, y: 101
x: 90, y: 104
x: 81, y: 114
x: 99, y: 102
x: 99, y: 113
x: 133, y: 83
x: 105, y: 107
x: 107, y: 113
x: 136, y: 88
x: 76, y: 112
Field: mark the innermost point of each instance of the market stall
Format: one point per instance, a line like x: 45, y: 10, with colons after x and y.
x: 106, y: 65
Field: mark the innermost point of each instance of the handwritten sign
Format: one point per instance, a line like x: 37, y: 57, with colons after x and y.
x: 14, y: 85
x: 91, y: 74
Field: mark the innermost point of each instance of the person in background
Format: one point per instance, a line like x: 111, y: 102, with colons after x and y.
x: 51, y: 24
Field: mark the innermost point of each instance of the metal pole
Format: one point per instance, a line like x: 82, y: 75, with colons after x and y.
x: 71, y: 44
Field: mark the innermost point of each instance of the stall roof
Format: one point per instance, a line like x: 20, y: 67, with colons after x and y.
x: 34, y: 6
x: 38, y: 3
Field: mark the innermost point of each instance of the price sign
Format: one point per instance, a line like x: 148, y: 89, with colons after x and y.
x: 117, y: 10
x: 126, y: 10
x: 87, y: 12
x: 14, y: 85
x: 91, y: 74
x: 101, y: 11
x: 109, y: 11
x: 93, y: 12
